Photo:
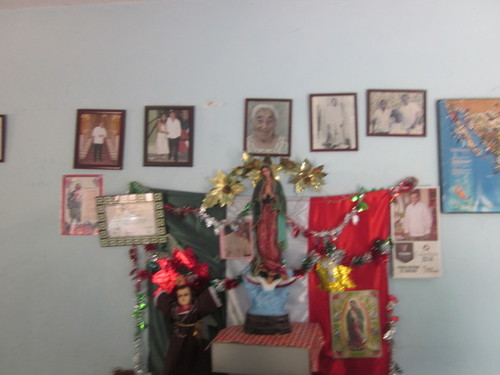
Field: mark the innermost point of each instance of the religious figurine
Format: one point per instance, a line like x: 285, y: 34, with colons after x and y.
x: 186, y: 353
x: 269, y: 217
x: 266, y: 279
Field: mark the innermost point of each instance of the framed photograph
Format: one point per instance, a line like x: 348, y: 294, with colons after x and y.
x: 469, y: 152
x: 168, y: 136
x: 78, y: 208
x: 237, y: 243
x: 268, y: 124
x: 99, y: 139
x: 355, y: 324
x: 131, y: 219
x: 3, y: 132
x: 415, y: 233
x: 333, y: 122
x: 396, y: 113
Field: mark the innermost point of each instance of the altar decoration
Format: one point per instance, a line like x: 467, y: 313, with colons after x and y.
x: 227, y: 186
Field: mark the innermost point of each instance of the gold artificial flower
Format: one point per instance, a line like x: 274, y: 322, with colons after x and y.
x: 226, y: 187
x: 308, y: 176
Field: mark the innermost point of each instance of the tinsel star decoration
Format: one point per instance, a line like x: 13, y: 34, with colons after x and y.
x: 227, y: 186
x: 334, y: 277
x: 307, y: 176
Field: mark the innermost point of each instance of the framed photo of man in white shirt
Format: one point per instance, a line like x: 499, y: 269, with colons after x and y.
x: 99, y: 139
x: 333, y: 122
x: 396, y: 113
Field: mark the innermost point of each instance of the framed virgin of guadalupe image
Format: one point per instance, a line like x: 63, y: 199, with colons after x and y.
x: 333, y: 122
x: 396, y: 113
x: 3, y: 125
x: 99, y: 139
x: 131, y: 219
x: 168, y: 136
x: 268, y: 125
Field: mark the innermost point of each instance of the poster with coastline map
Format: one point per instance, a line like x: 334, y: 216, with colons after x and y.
x: 469, y: 142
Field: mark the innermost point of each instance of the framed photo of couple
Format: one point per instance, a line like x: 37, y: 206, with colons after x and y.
x: 333, y: 122
x: 268, y: 125
x: 168, y: 136
x: 396, y: 113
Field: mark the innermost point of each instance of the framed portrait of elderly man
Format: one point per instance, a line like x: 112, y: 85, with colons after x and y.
x: 268, y: 125
x: 168, y: 136
x: 396, y: 113
x: 3, y: 125
x: 99, y: 139
x: 333, y: 122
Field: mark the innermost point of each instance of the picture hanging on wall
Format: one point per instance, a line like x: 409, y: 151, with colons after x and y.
x: 333, y: 122
x: 268, y: 124
x: 99, y: 139
x: 168, y: 136
x: 415, y: 233
x: 78, y: 208
x: 3, y: 127
x: 396, y: 113
x: 131, y: 219
x: 469, y: 151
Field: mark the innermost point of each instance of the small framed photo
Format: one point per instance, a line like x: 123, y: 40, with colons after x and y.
x: 333, y: 122
x: 168, y: 136
x: 99, y: 139
x: 237, y: 242
x: 78, y: 209
x: 3, y: 132
x: 132, y: 219
x: 396, y: 113
x: 268, y: 124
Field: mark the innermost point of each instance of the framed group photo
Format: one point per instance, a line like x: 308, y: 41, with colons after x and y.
x: 99, y: 139
x: 168, y: 136
x: 469, y: 154
x: 268, y: 124
x: 333, y: 122
x: 396, y: 113
x: 3, y: 126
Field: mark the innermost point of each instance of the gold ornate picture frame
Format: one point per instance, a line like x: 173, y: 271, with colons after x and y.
x: 132, y: 219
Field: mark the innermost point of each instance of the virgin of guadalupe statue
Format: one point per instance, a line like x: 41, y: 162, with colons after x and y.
x: 269, y: 218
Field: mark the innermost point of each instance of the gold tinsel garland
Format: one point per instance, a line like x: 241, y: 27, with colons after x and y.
x: 227, y: 186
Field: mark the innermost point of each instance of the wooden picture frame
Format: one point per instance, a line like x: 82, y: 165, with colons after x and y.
x: 168, y: 136
x: 268, y: 124
x: 132, y: 219
x: 3, y: 132
x: 469, y: 155
x: 400, y: 113
x: 333, y: 122
x: 78, y: 215
x: 100, y: 135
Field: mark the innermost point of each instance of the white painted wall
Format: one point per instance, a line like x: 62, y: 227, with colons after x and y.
x: 66, y: 302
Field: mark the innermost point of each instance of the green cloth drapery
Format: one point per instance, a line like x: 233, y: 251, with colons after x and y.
x: 187, y: 231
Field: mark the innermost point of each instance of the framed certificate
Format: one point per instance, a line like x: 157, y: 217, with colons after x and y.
x: 131, y: 219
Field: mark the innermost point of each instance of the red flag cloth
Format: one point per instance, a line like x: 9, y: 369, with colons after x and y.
x: 327, y: 213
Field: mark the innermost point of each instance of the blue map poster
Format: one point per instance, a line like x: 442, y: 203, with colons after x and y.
x: 469, y: 146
